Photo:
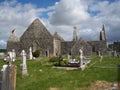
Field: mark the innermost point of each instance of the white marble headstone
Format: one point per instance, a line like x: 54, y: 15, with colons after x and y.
x: 30, y: 53
x: 13, y: 55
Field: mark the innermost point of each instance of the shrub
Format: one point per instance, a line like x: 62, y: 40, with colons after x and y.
x: 66, y: 62
x: 77, y: 58
x: 53, y: 59
x: 36, y: 53
x: 62, y: 63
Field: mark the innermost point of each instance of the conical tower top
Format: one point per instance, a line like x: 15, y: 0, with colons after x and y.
x: 103, y: 34
x: 103, y: 28
x: 14, y: 37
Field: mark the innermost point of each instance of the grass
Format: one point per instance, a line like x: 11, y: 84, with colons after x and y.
x: 43, y: 77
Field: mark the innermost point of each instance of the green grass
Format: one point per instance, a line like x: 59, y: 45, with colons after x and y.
x: 42, y: 76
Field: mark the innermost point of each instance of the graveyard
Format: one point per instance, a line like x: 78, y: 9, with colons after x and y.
x: 43, y: 76
x: 39, y: 60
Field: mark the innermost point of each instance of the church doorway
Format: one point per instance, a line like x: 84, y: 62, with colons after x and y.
x: 35, y: 46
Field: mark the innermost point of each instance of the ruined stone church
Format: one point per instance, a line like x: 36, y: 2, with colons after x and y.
x: 39, y: 38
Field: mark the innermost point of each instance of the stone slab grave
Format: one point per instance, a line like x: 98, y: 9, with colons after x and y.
x: 81, y: 63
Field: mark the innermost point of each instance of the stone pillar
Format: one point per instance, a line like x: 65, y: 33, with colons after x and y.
x: 30, y: 53
x: 23, y: 65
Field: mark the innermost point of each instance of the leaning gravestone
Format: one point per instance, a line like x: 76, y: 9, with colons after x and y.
x: 8, y: 76
x: 23, y: 66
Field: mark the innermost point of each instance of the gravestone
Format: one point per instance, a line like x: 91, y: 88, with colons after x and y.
x: 99, y: 53
x: 10, y: 55
x: 81, y: 57
x: 13, y: 55
x: 8, y: 76
x: 101, y: 58
x: 68, y: 57
x: 82, y: 65
x: 23, y: 65
x: 115, y: 54
x: 30, y: 53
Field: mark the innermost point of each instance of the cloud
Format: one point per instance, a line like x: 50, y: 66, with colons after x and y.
x: 110, y: 16
x: 19, y: 16
x: 88, y: 17
x: 2, y: 44
x: 69, y: 12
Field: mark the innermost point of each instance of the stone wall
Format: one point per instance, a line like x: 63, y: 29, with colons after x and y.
x: 81, y: 44
x: 66, y: 47
x: 98, y: 46
x: 14, y: 45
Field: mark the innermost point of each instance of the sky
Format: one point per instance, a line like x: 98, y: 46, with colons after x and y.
x: 61, y: 16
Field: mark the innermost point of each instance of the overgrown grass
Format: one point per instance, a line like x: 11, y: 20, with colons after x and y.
x: 42, y: 76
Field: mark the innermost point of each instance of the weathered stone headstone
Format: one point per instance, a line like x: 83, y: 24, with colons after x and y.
x: 13, y: 55
x: 68, y: 57
x: 99, y: 54
x: 23, y: 65
x: 10, y: 55
x: 101, y: 58
x: 30, y: 53
x: 115, y: 54
x: 8, y: 77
